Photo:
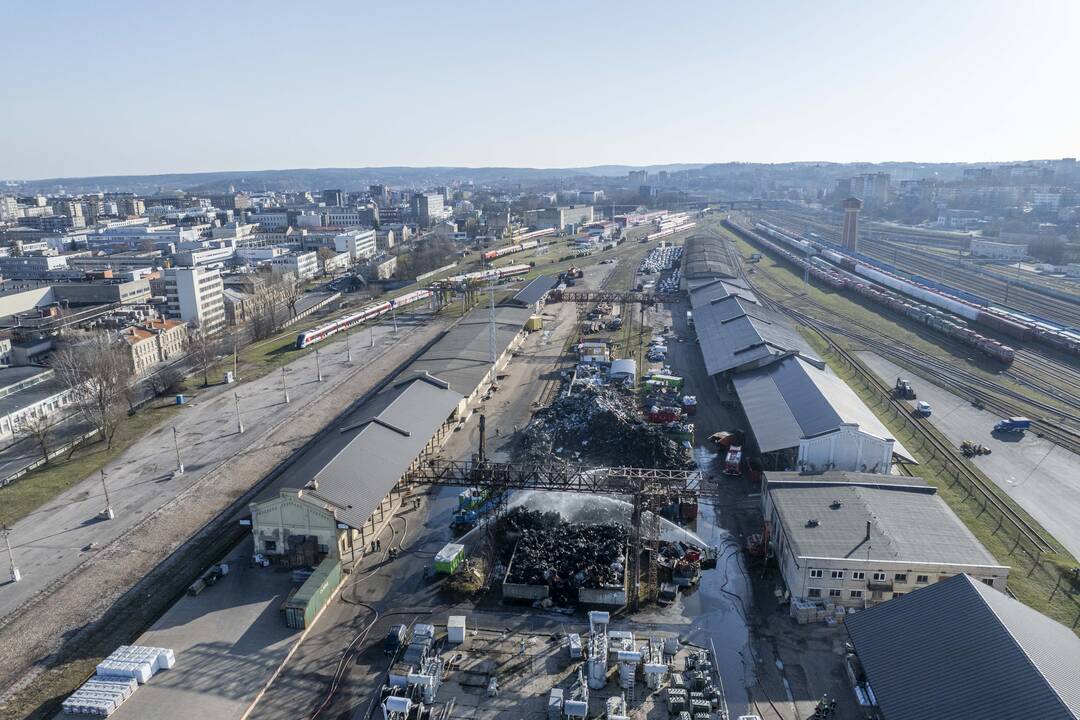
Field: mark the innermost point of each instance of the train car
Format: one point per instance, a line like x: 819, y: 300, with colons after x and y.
x: 1005, y: 325
x: 369, y: 312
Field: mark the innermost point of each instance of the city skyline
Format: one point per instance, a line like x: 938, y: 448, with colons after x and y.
x: 220, y: 88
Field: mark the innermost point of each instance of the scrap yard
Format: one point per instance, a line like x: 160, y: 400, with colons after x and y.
x: 652, y: 478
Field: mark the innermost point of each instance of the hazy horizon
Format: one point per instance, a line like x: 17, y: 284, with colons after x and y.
x: 204, y: 87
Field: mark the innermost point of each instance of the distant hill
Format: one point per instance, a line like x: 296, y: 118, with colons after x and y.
x: 360, y: 178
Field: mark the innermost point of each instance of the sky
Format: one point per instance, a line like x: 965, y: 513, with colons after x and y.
x: 124, y: 87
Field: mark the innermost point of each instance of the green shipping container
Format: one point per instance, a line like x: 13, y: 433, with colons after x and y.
x: 301, y: 608
x: 669, y: 380
x: 449, y: 558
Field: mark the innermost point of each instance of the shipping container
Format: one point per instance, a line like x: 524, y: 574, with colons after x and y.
x: 301, y: 609
x: 449, y: 558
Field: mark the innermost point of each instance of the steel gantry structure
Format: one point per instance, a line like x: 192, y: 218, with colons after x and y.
x: 648, y: 489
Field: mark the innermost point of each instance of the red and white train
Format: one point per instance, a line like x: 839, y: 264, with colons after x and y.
x: 510, y: 250
x: 492, y: 274
x: 370, y: 312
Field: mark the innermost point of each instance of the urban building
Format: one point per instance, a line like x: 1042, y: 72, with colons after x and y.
x: 333, y: 198
x: 858, y: 539
x: 195, y: 295
x: 380, y: 195
x: 559, y: 218
x: 103, y: 292
x: 384, y: 239
x: 29, y: 392
x: 998, y: 250
x: 638, y: 177
x: 206, y: 256
x: 247, y: 294
x: 154, y: 342
x: 380, y: 268
x: 359, y: 244
x: 850, y: 235
x: 333, y: 264
x: 427, y: 208
x: 352, y: 217
x: 304, y: 265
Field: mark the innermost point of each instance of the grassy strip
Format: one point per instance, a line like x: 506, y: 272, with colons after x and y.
x: 33, y: 490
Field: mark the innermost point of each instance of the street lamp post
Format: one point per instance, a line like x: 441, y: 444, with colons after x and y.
x: 108, y: 512
x: 348, y: 348
x: 318, y: 366
x: 393, y: 314
x: 284, y: 387
x: 176, y: 444
x: 239, y: 421
x: 371, y: 328
x: 14, y: 571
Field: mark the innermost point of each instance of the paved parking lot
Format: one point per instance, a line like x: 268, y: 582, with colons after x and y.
x: 1038, y: 474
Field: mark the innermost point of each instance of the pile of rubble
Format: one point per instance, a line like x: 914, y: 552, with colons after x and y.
x: 550, y: 551
x: 599, y: 425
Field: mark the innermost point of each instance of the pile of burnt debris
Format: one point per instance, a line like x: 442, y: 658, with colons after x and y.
x: 600, y: 426
x: 547, y: 550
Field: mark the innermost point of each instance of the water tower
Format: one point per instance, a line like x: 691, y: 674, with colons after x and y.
x: 850, y: 238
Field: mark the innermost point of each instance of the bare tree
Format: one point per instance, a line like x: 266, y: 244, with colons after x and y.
x: 167, y: 381
x: 96, y: 369
x: 39, y: 429
x: 203, y: 349
x: 324, y: 254
x: 292, y: 290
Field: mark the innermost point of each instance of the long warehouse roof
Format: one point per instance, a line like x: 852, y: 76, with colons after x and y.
x: 463, y: 356
x: 961, y: 650
x: 734, y: 333
x: 792, y: 399
x: 390, y: 432
x: 706, y: 256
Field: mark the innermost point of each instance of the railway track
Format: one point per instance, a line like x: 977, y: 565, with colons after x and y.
x: 929, y: 265
x: 949, y: 457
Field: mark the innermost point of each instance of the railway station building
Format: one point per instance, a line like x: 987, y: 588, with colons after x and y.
x: 859, y: 539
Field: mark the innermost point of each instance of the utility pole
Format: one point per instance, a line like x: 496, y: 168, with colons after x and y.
x: 108, y: 513
x: 235, y: 362
x: 239, y: 422
x: 284, y: 387
x: 393, y: 314
x: 13, y: 573
x: 348, y: 350
x: 176, y: 445
x: 371, y: 329
x: 493, y: 347
x: 318, y: 366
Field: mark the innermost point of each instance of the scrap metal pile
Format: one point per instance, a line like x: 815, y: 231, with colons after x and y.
x: 599, y: 425
x: 564, y: 556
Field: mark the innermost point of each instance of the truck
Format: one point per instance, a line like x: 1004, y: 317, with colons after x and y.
x: 923, y: 409
x: 469, y: 514
x: 1013, y: 425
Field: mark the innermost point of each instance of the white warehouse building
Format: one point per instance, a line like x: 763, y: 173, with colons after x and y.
x: 856, y: 539
x: 998, y: 250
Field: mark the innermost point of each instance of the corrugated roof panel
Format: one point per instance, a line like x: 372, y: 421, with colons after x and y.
x: 959, y: 650
x: 535, y: 290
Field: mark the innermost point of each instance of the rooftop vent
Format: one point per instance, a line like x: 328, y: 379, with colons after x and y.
x: 812, y: 523
x: 836, y: 505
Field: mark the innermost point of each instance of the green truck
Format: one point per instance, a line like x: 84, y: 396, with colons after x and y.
x: 305, y: 604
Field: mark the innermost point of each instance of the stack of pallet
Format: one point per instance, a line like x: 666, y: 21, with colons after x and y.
x: 118, y: 677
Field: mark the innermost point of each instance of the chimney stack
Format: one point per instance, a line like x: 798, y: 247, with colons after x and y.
x: 867, y: 530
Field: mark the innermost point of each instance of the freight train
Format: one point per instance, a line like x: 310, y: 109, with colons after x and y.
x: 492, y: 274
x: 369, y: 312
x: 1001, y: 320
x: 792, y: 250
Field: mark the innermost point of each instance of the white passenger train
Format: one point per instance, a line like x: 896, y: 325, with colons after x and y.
x: 370, y: 312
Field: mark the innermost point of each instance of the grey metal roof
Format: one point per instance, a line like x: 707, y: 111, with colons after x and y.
x: 838, y: 477
x: 703, y: 292
x: 13, y: 375
x: 792, y: 399
x: 388, y: 435
x: 462, y: 357
x: 733, y: 333
x: 907, y: 523
x: 958, y: 649
x: 535, y: 290
x: 706, y: 256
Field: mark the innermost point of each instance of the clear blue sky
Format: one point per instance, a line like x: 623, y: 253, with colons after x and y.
x: 119, y: 87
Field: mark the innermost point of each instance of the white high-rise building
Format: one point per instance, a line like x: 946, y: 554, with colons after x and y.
x: 195, y: 294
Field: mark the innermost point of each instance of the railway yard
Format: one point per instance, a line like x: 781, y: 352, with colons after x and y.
x: 558, y: 491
